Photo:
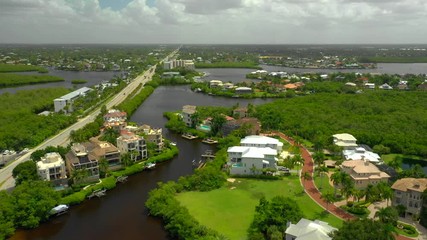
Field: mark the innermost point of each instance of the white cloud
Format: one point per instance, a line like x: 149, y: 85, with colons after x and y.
x: 219, y: 21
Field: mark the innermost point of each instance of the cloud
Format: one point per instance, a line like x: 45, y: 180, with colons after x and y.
x: 209, y: 21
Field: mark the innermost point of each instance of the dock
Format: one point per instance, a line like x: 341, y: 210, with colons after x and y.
x: 122, y: 179
x: 208, y: 155
x: 209, y: 141
x: 97, y: 193
x: 189, y: 136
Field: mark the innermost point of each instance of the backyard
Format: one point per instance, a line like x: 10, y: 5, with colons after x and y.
x: 230, y: 209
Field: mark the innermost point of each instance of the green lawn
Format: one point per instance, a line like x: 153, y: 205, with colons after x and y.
x: 322, y: 183
x: 229, y: 210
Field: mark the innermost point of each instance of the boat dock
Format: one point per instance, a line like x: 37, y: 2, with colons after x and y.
x: 208, y: 155
x: 122, y: 179
x: 189, y: 136
x: 209, y: 141
x: 97, y: 193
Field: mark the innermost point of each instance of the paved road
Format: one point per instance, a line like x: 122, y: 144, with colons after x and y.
x: 6, y: 179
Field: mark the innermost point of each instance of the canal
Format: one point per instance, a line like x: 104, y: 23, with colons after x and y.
x: 121, y: 214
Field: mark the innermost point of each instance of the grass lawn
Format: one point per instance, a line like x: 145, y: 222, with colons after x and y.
x: 230, y: 209
x: 322, y: 183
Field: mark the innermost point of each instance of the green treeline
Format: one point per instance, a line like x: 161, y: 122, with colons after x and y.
x: 394, y: 59
x: 252, y: 65
x: 21, y: 68
x: 10, y: 79
x: 397, y: 120
x: 20, y: 126
x: 131, y: 104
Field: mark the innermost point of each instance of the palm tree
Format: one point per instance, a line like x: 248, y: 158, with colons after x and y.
x: 369, y: 192
x: 329, y: 198
x: 320, y: 171
x: 103, y: 167
x: 336, y: 180
x: 388, y: 215
x: 79, y: 174
x: 385, y: 191
x: 319, y: 158
x: 358, y: 194
x: 298, y: 160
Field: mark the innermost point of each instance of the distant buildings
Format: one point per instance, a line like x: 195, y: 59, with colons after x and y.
x: 309, y: 230
x: 187, y: 64
x: 65, y: 103
x: 363, y: 173
x: 408, y: 192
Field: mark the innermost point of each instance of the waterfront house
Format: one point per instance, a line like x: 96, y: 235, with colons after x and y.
x: 244, y: 160
x: 51, y: 167
x: 385, y: 86
x: 105, y: 150
x: 153, y: 135
x: 363, y: 173
x: 129, y: 142
x: 215, y: 83
x: 408, y: 192
x: 79, y: 159
x: 309, y: 230
x: 370, y: 85
x: 187, y: 112
x: 243, y: 90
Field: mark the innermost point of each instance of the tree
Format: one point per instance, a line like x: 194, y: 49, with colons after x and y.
x: 25, y: 171
x: 396, y: 162
x: 387, y: 215
x: 103, y: 167
x: 6, y: 215
x: 319, y: 158
x: 363, y: 229
x: 297, y: 160
x: 33, y: 202
x: 385, y: 191
x: 329, y: 198
x: 423, y: 213
x: 216, y: 124
x: 78, y: 175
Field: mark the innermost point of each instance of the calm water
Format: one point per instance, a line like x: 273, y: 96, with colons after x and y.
x: 92, y: 78
x: 389, y: 68
x: 121, y: 214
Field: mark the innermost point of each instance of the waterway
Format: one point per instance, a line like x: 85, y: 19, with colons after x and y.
x: 121, y: 214
x: 93, y: 78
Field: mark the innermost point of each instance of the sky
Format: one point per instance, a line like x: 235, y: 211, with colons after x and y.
x: 214, y: 21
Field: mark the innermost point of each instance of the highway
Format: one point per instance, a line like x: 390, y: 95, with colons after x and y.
x: 6, y: 179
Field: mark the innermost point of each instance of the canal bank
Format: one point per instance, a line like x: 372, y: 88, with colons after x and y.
x: 121, y: 214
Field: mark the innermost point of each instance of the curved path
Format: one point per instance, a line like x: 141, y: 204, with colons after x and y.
x: 311, y: 189
x: 308, y: 184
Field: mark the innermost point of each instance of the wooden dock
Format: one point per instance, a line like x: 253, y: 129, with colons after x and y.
x: 208, y: 155
x: 97, y: 193
x: 122, y: 179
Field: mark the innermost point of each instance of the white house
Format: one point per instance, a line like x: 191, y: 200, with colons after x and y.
x: 65, y: 102
x: 215, y: 83
x: 261, y: 142
x: 359, y: 153
x: 370, y: 85
x: 309, y: 230
x: 251, y: 160
x: 385, y: 86
x: 187, y: 113
x: 129, y: 142
x: 51, y: 167
x: 345, y: 140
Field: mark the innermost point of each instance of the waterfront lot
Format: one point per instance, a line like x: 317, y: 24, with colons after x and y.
x: 230, y: 209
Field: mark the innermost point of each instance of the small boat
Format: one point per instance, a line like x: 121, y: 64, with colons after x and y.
x: 209, y: 141
x: 151, y: 165
x: 173, y: 143
x: 59, y: 210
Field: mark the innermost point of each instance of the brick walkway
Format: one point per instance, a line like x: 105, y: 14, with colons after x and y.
x: 311, y: 189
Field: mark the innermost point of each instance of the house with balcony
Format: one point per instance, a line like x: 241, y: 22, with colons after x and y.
x: 187, y: 115
x: 363, y: 173
x: 244, y: 160
x: 129, y: 142
x: 105, y: 150
x: 153, y: 135
x: 408, y: 192
x: 79, y: 159
x: 345, y: 140
x: 51, y: 167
